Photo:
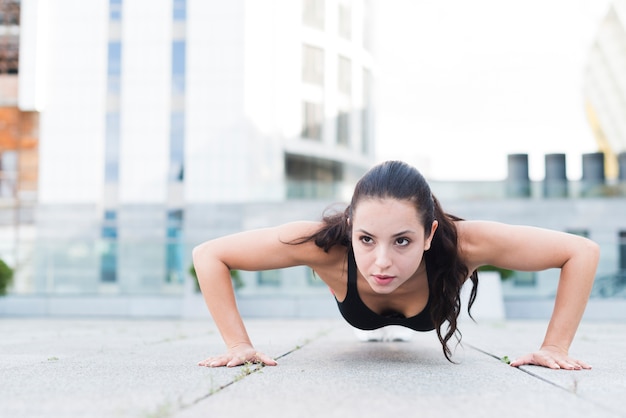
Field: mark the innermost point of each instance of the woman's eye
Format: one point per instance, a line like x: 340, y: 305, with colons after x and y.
x: 367, y: 240
x: 402, y: 242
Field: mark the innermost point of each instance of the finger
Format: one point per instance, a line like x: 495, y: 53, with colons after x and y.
x: 214, y: 362
x: 574, y: 364
x: 568, y: 365
x: 237, y: 361
x: 527, y: 359
x: 582, y: 364
x: 266, y: 360
x: 532, y: 360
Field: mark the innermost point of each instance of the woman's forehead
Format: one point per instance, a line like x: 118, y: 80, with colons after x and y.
x: 386, y: 212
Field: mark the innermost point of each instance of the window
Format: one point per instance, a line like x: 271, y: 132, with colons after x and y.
x: 344, y: 76
x: 108, y: 253
x: 366, y: 125
x: 268, y: 278
x: 622, y: 251
x: 178, y: 67
x: 313, y: 13
x: 345, y: 19
x: 579, y: 232
x: 312, y: 120
x: 111, y: 147
x: 343, y: 128
x: 180, y: 10
x: 174, y: 247
x: 114, y: 66
x: 9, y: 12
x: 525, y: 278
x: 9, y: 53
x: 312, y: 65
x: 312, y: 177
x: 8, y: 172
x: 367, y: 25
x: 115, y: 10
x: 177, y: 147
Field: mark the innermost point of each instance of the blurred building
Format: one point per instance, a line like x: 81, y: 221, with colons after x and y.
x: 132, y: 130
x: 605, y: 88
x: 19, y: 144
x: 149, y: 114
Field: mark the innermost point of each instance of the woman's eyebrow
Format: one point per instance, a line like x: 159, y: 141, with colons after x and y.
x: 405, y: 232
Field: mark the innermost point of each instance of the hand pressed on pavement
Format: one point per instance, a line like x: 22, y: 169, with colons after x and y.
x: 551, y: 357
x: 238, y: 355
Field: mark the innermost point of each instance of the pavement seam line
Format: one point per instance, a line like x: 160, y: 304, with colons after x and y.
x: 536, y: 376
x: 543, y: 379
x: 258, y: 367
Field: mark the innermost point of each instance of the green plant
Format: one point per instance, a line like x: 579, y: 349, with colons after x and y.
x: 246, y: 370
x: 6, y: 276
x: 504, y: 273
x: 234, y: 275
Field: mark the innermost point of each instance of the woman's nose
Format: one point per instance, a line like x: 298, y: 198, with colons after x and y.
x: 382, y: 258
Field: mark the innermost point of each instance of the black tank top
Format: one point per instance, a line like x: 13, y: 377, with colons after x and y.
x: 360, y: 316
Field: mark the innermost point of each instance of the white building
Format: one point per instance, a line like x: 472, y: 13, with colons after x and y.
x: 605, y: 87
x: 153, y: 111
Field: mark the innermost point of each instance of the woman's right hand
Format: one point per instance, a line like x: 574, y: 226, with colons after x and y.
x: 238, y: 355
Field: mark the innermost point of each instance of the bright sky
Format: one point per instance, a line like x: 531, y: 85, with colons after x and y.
x: 463, y: 83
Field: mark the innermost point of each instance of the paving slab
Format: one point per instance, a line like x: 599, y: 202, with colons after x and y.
x: 135, y: 368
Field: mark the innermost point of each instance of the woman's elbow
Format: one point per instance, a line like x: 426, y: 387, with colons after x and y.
x: 200, y: 252
x: 590, y: 250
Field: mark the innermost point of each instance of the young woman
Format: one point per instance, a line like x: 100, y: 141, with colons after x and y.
x: 394, y: 257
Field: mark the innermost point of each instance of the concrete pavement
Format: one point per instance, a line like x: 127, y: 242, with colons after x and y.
x: 147, y: 368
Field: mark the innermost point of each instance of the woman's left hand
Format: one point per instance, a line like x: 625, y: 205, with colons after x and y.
x: 551, y: 357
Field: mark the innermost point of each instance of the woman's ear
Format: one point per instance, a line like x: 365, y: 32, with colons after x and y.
x: 429, y: 239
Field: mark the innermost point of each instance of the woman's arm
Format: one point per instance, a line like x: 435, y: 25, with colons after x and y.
x: 261, y: 249
x: 533, y: 249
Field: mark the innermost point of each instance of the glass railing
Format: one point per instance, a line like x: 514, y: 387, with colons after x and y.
x: 472, y: 190
x: 161, y: 267
x: 477, y: 190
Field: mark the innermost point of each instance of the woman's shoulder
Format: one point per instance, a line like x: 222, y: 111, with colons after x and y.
x: 300, y: 236
x: 474, y: 236
x: 293, y: 231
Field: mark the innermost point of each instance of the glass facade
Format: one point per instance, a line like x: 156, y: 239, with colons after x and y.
x: 178, y: 67
x: 112, y: 147
x: 115, y: 10
x: 178, y: 73
x: 108, y: 250
x: 135, y: 235
x: 112, y: 118
x: 177, y: 144
x: 174, y: 250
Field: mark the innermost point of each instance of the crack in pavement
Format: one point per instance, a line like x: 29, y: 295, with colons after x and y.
x: 245, y: 372
x: 574, y: 392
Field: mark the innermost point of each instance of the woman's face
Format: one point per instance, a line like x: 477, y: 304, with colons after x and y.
x: 389, y: 242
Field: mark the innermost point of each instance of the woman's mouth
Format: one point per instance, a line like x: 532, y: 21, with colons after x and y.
x: 383, y: 279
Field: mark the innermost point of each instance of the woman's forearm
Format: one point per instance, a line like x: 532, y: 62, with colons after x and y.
x: 217, y: 289
x: 575, y: 283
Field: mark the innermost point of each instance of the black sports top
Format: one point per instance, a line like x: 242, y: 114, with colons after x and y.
x: 360, y: 316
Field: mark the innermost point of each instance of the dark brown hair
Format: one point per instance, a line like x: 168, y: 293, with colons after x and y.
x: 398, y: 180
